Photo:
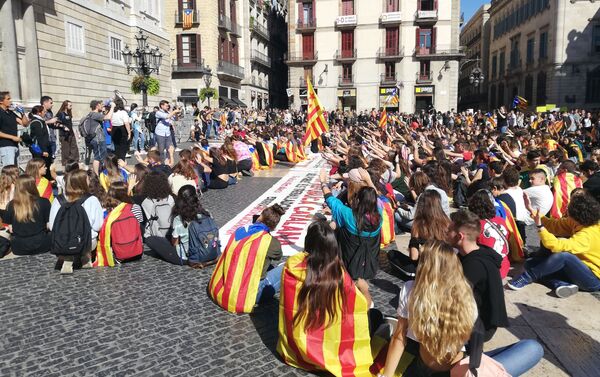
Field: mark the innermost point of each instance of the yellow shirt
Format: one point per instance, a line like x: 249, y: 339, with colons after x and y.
x: 574, y: 238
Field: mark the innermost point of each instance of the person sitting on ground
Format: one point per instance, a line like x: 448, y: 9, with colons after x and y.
x: 37, y: 169
x: 219, y: 177
x: 481, y: 266
x: 27, y: 215
x: 539, y: 192
x: 70, y: 165
x: 431, y: 330
x: 77, y: 189
x: 157, y: 204
x: 591, y: 171
x: 231, y: 159
x: 318, y: 296
x: 246, y: 249
x: 8, y: 178
x: 154, y: 162
x: 243, y: 155
x: 511, y: 178
x: 405, y: 214
x: 184, y: 173
x: 112, y: 172
x: 570, y: 258
x: 566, y: 180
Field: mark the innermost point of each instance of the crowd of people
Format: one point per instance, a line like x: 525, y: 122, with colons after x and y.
x: 468, y: 188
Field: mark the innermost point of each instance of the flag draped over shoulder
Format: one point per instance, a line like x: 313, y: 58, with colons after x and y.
x: 104, y: 253
x: 388, y: 234
x: 563, y: 184
x: 44, y: 188
x: 515, y: 242
x: 343, y: 348
x: 234, y: 282
x: 316, y: 124
x: 383, y: 120
x: 262, y: 152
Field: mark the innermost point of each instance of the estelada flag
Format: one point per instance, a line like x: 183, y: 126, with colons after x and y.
x: 383, y: 120
x: 104, y: 253
x: 388, y: 234
x: 44, y: 188
x: 343, y: 348
x: 563, y: 185
x: 291, y: 152
x: 515, y: 242
x: 316, y: 123
x: 234, y: 282
x: 188, y: 18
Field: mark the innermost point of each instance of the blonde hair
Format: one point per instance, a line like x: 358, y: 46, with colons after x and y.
x: 25, y: 200
x: 441, y: 307
x: 33, y: 167
x: 8, y: 177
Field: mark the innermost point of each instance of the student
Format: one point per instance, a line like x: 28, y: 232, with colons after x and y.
x: 154, y: 162
x: 112, y: 172
x: 157, y: 204
x: 76, y: 189
x: 28, y: 215
x: 8, y: 178
x: 219, y: 177
x: 70, y: 165
x: 41, y: 147
x: 37, y: 169
x: 539, y: 193
x: 183, y: 173
x: 121, y: 130
x: 511, y: 177
x: 319, y: 297
x: 68, y: 142
x: 243, y: 156
x: 570, y: 255
x: 249, y: 246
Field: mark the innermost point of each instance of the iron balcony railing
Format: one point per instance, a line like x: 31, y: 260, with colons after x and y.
x: 306, y: 25
x: 224, y: 22
x: 191, y: 65
x: 230, y: 69
x: 307, y: 57
x: 390, y: 53
x: 179, y: 17
x: 345, y: 55
x: 388, y: 79
x: 346, y: 80
x: 260, y: 30
x: 424, y: 77
x: 260, y: 58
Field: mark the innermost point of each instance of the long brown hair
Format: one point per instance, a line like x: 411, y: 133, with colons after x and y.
x: 76, y: 185
x: 430, y: 221
x: 322, y: 294
x: 117, y: 194
x: 184, y: 167
x: 64, y: 108
x: 418, y: 182
x: 33, y: 168
x: 8, y: 177
x: 25, y: 200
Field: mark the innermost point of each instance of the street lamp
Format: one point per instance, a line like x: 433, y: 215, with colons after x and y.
x: 207, y: 82
x: 143, y: 61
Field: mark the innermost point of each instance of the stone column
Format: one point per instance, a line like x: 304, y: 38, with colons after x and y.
x: 33, y: 87
x: 9, y: 69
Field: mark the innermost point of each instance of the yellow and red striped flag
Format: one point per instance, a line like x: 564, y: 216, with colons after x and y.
x: 515, y: 242
x: 44, y: 188
x: 316, y: 124
x: 104, y: 253
x: 556, y: 127
x: 234, y: 282
x: 388, y: 235
x: 563, y: 185
x: 383, y: 119
x: 188, y: 18
x: 342, y: 348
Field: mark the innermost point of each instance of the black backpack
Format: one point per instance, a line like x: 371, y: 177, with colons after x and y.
x: 71, y: 232
x: 204, y: 242
x: 87, y: 129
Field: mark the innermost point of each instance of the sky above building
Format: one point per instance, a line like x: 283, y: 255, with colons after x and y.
x: 469, y: 7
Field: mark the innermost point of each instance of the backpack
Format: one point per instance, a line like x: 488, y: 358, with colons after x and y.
x: 126, y: 236
x: 26, y: 137
x: 204, y: 242
x: 71, y: 232
x: 158, y: 213
x: 85, y: 129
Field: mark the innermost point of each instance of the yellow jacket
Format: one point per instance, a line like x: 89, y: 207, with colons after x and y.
x: 576, y: 239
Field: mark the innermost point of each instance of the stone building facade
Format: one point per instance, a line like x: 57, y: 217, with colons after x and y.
x: 71, y: 49
x: 357, y: 52
x: 547, y: 51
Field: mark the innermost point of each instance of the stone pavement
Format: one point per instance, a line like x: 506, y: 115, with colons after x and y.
x: 150, y: 318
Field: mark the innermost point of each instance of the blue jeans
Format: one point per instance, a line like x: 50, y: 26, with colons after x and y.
x: 518, y: 358
x: 216, y: 124
x: 208, y: 128
x: 560, y: 269
x: 270, y: 285
x: 8, y: 156
x: 138, y: 138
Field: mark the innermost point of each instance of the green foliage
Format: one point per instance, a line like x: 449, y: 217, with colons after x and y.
x: 152, y: 85
x: 206, y: 92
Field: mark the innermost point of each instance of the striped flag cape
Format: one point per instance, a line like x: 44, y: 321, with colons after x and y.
x: 388, y: 234
x: 234, y: 282
x: 300, y: 152
x: 577, y: 150
x: 383, y: 120
x: 556, y: 127
x: 515, y: 242
x: 343, y: 348
x: 316, y: 123
x: 188, y: 18
x: 379, y: 350
x: 104, y: 253
x: 267, y: 154
x: 293, y: 152
x: 563, y: 185
x: 44, y: 188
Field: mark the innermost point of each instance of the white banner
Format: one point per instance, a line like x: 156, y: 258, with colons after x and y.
x: 299, y: 193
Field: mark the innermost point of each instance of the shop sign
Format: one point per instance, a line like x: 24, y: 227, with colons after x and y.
x: 424, y: 89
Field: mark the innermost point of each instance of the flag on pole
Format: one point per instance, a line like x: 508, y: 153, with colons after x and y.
x: 188, y: 18
x: 520, y: 103
x: 392, y: 98
x: 316, y: 124
x: 383, y: 119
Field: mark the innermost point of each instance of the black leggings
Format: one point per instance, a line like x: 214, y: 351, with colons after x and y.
x: 119, y: 137
x: 217, y: 183
x: 161, y: 248
x: 245, y: 165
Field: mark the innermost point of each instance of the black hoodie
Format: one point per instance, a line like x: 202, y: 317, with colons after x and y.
x: 482, y: 269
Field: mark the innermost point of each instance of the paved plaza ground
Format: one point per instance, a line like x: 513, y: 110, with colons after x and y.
x: 150, y: 318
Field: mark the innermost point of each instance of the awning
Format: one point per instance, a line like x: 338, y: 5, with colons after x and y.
x: 187, y: 99
x: 239, y: 102
x: 224, y: 101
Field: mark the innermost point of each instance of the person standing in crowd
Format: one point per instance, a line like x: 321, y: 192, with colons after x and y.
x: 151, y: 126
x: 51, y: 122
x: 164, y: 119
x: 139, y: 140
x: 92, y: 130
x: 40, y: 138
x: 121, y: 129
x: 68, y: 141
x: 9, y: 131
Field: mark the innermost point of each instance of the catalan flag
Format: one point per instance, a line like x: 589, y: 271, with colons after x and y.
x: 563, y: 185
x: 388, y: 234
x: 188, y: 18
x: 104, y: 253
x: 44, y: 188
x: 520, y: 103
x: 556, y: 127
x: 491, y: 120
x: 383, y: 119
x: 392, y: 98
x: 342, y: 348
x: 316, y: 124
x: 535, y: 124
x: 515, y: 242
x: 234, y: 282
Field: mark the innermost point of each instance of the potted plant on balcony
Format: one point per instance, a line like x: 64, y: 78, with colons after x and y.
x: 208, y: 93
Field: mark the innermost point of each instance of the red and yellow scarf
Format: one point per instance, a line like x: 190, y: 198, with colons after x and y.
x: 104, y: 253
x: 44, y: 188
x: 388, y: 234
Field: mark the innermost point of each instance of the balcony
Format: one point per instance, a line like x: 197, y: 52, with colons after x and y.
x: 235, y: 30
x: 306, y: 26
x: 388, y: 79
x: 390, y: 18
x: 390, y: 54
x: 259, y: 82
x: 260, y: 58
x: 346, y: 22
x: 195, y: 18
x: 346, y: 81
x: 304, y: 83
x: 426, y: 16
x: 190, y: 66
x: 224, y: 22
x: 424, y: 77
x: 439, y: 52
x: 345, y: 56
x: 306, y: 58
x: 230, y: 70
x: 259, y: 30
x: 514, y: 68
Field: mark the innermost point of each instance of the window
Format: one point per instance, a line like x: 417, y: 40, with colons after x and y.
x: 307, y: 13
x: 502, y: 63
x: 390, y: 71
x: 494, y: 66
x: 74, y: 38
x: 391, y: 6
x: 223, y: 49
x: 115, y: 49
x: 234, y: 53
x: 424, y: 68
x: 347, y: 44
x: 592, y: 94
x: 427, y: 4
x: 153, y: 9
x: 514, y: 53
x: 391, y: 41
x: 188, y: 49
x: 541, y: 89
x: 188, y: 4
x: 347, y: 72
x: 530, y: 47
x: 596, y: 40
x: 347, y: 7
x: 308, y: 46
x: 529, y: 87
x: 425, y: 38
x: 544, y: 45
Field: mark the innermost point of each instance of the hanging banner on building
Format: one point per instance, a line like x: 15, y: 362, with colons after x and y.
x: 299, y: 192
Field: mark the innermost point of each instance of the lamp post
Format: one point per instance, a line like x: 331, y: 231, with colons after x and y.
x: 143, y: 61
x: 207, y: 82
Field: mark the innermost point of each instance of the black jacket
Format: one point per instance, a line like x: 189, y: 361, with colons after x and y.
x: 39, y: 134
x: 482, y: 269
x: 592, y: 185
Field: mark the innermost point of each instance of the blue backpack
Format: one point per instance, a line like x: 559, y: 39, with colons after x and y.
x: 204, y: 245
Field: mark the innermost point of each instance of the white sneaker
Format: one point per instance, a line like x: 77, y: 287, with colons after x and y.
x: 177, y: 149
x: 565, y: 291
